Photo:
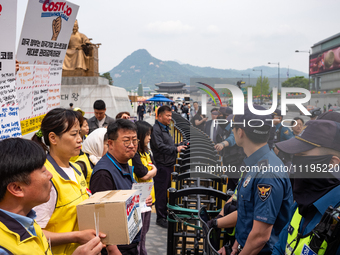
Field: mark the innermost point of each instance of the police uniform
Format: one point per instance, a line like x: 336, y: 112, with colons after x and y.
x: 264, y: 193
x: 288, y: 243
x: 264, y: 196
x: 16, y: 239
x: 281, y: 133
x: 69, y: 195
x: 312, y: 196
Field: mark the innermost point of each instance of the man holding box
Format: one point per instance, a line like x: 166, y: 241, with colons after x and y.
x: 113, y: 172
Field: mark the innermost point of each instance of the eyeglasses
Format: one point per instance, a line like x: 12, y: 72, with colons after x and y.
x: 133, y: 141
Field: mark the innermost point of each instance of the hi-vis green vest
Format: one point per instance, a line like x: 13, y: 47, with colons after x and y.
x: 69, y: 195
x: 82, y: 157
x: 145, y: 159
x: 15, y: 239
x: 295, y: 245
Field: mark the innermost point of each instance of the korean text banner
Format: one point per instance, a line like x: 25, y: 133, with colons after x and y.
x: 9, y: 113
x: 326, y: 61
x: 46, y: 32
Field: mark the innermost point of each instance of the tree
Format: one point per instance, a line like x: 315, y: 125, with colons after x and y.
x: 107, y: 76
x: 297, y: 82
x: 265, y: 86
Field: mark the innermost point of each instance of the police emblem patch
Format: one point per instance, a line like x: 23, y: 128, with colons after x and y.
x: 246, y: 182
x: 264, y: 190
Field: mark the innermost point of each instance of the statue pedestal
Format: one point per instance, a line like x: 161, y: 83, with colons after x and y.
x: 84, y: 91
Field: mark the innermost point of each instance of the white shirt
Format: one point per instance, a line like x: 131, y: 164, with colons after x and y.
x: 44, y: 211
x: 101, y: 122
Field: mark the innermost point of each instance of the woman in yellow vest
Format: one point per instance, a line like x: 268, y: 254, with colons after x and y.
x: 60, y: 129
x: 144, y: 171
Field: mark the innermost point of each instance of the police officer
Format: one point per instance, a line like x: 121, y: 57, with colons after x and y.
x: 282, y: 133
x: 315, y: 113
x: 313, y: 192
x: 233, y: 155
x: 264, y: 196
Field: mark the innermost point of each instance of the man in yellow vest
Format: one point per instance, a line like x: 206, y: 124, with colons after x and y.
x: 24, y: 184
x: 314, y: 226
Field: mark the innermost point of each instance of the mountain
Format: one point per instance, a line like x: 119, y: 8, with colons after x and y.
x: 141, y: 65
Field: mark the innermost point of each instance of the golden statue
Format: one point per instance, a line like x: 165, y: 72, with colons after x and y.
x: 78, y: 51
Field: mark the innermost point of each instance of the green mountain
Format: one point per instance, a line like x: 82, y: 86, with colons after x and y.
x: 141, y: 65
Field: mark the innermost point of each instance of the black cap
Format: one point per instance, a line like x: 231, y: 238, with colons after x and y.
x: 259, y: 121
x: 316, y: 133
x: 225, y: 110
x: 315, y: 112
x: 334, y: 116
x: 277, y: 112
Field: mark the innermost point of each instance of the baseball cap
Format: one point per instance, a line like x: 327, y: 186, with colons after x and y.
x: 334, y: 116
x: 315, y: 112
x: 257, y: 121
x: 225, y: 110
x: 277, y: 112
x: 316, y: 133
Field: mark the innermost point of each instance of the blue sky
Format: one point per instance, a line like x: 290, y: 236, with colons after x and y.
x: 217, y: 33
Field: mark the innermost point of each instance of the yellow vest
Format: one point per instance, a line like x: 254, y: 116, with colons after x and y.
x: 17, y: 240
x: 69, y: 195
x: 82, y: 157
x: 145, y: 159
x: 295, y: 246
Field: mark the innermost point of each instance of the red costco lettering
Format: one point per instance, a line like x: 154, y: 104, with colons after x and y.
x: 56, y: 6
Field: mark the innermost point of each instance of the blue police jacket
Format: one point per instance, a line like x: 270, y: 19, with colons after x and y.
x: 285, y: 133
x: 230, y: 139
x: 264, y: 194
x: 331, y: 198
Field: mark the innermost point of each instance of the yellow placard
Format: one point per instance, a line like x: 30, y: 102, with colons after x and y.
x: 31, y: 125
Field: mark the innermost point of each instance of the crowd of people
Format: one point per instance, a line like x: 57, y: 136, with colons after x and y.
x: 71, y: 157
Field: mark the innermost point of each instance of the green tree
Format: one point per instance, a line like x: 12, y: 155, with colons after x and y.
x: 265, y: 86
x: 297, y: 81
x: 107, y: 76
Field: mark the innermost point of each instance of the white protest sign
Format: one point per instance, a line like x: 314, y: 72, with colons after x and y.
x: 9, y: 113
x: 46, y: 31
x: 144, y: 189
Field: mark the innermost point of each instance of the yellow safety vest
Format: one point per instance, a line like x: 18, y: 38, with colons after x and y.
x: 82, y: 157
x: 17, y: 240
x: 145, y: 159
x: 69, y: 195
x: 294, y: 245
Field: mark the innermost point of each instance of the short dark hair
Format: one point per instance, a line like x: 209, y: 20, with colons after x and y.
x: 195, y: 102
x: 18, y: 159
x: 164, y: 108
x: 119, y: 115
x: 114, y: 127
x: 214, y: 109
x: 297, y: 118
x: 71, y: 104
x: 143, y: 129
x: 256, y: 138
x: 99, y: 105
x: 58, y: 121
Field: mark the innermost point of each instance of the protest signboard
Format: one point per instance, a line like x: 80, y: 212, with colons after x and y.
x: 9, y: 117
x: 42, y: 47
x: 46, y: 32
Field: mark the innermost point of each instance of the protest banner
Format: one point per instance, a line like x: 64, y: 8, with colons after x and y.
x: 9, y: 116
x: 42, y: 47
x: 46, y: 32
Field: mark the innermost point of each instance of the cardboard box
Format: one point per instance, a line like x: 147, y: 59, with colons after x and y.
x: 119, y: 215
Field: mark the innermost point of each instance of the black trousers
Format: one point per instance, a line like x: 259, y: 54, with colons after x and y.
x: 140, y: 116
x: 162, y: 182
